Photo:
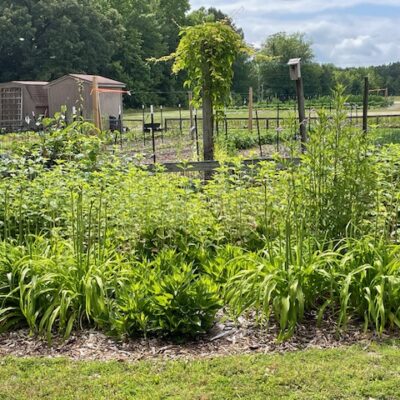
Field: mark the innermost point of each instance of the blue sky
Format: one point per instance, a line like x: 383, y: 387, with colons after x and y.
x: 343, y: 32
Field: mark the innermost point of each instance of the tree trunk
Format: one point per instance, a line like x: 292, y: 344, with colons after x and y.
x: 208, y: 126
x: 208, y: 143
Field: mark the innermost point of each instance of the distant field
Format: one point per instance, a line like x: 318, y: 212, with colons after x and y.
x: 284, y: 112
x: 174, y: 113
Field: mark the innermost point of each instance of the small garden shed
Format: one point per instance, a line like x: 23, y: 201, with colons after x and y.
x: 74, y: 91
x: 21, y: 102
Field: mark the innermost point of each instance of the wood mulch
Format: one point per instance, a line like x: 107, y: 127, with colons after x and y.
x: 226, y: 338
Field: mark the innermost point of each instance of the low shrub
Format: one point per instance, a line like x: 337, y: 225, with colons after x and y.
x: 165, y: 296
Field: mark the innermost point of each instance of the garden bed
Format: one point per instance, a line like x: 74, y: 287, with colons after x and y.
x: 225, y: 338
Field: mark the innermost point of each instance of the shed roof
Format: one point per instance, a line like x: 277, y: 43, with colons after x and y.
x: 101, y: 80
x: 24, y: 83
x: 33, y: 83
x: 36, y: 89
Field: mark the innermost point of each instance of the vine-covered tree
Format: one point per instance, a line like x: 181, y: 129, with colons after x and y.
x: 243, y: 68
x: 207, y: 52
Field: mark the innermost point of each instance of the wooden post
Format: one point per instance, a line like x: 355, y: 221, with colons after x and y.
x: 144, y: 131
x: 120, y: 124
x: 208, y: 126
x: 351, y: 114
x: 278, y: 122
x: 250, y: 124
x: 365, y: 105
x: 208, y: 132
x: 190, y: 99
x: 180, y: 118
x: 302, y: 113
x: 226, y: 125
x: 259, y: 134
x: 161, y: 124
x: 95, y: 103
x: 152, y: 133
x: 295, y: 75
x: 208, y: 147
x: 197, y: 135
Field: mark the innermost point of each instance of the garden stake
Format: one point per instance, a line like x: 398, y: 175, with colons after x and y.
x: 152, y: 133
x: 259, y: 134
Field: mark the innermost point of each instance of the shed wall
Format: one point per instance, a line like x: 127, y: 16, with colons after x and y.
x: 29, y: 107
x: 66, y: 92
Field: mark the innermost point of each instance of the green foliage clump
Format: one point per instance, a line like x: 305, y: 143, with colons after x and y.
x: 48, y: 288
x: 166, y: 295
x: 243, y: 139
x: 359, y: 279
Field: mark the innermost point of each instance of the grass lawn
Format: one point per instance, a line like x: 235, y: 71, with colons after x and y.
x: 346, y: 373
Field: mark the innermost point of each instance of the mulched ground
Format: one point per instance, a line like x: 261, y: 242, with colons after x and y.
x: 226, y: 338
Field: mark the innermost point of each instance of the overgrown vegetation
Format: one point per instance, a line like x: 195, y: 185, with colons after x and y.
x: 88, y: 240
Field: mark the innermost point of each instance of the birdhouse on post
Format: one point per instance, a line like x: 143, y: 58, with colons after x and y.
x: 295, y: 75
x: 294, y: 68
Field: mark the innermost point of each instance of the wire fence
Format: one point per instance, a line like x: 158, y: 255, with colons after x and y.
x: 180, y: 139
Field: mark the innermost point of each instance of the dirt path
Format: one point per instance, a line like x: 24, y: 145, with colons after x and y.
x: 395, y: 106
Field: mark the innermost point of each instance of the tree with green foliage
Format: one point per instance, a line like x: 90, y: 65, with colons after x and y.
x: 170, y: 16
x: 142, y: 39
x: 46, y: 39
x: 283, y: 46
x: 43, y: 40
x: 207, y: 53
x: 390, y: 77
x: 353, y: 79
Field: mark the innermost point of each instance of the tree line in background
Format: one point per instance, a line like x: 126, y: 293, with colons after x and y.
x: 45, y: 39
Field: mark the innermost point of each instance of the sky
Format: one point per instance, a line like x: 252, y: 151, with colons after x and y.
x: 343, y: 32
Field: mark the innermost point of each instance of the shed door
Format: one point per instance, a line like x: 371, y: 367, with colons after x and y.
x: 11, y: 104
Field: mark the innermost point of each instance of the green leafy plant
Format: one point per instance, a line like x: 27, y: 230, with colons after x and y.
x: 165, y: 296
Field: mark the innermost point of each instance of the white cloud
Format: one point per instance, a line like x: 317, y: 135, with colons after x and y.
x: 355, y: 49
x: 339, y: 36
x: 289, y: 6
